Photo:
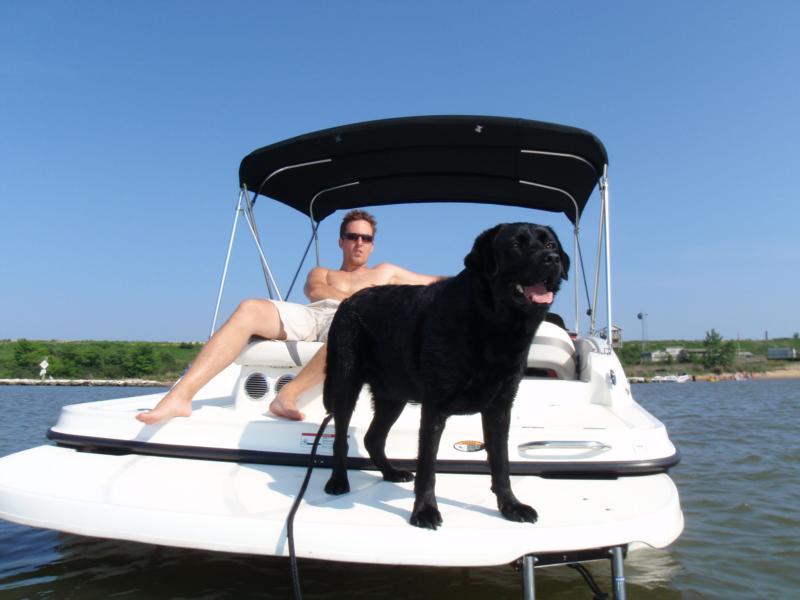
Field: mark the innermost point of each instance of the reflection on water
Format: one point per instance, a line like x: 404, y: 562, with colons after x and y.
x: 80, y: 567
x: 739, y: 482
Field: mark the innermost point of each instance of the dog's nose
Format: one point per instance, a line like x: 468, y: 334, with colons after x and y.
x: 552, y: 258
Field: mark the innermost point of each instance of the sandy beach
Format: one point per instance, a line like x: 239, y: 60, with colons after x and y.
x: 787, y: 373
x: 784, y: 373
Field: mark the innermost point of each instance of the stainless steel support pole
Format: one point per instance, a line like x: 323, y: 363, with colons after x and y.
x: 528, y: 583
x: 607, y: 209
x: 302, y: 261
x: 268, y: 278
x: 618, y: 573
x: 227, y: 260
x: 576, y: 275
x: 314, y: 222
x: 597, y: 272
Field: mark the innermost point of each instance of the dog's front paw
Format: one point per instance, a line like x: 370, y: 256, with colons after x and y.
x: 519, y: 512
x: 427, y: 516
x: 398, y: 476
x: 337, y: 485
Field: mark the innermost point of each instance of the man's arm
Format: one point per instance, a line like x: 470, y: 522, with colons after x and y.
x: 405, y: 277
x: 318, y: 288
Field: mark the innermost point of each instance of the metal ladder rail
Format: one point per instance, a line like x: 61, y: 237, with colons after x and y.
x: 616, y: 556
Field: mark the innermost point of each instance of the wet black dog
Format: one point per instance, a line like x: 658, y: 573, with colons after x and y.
x: 458, y: 346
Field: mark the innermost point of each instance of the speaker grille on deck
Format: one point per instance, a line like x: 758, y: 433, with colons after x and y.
x: 256, y: 386
x: 282, y: 381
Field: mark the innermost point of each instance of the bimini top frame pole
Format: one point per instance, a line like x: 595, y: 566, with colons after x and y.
x: 315, y: 223
x: 227, y: 262
x: 576, y: 230
x: 251, y: 223
x: 314, y: 238
x: 244, y: 206
x: 605, y: 207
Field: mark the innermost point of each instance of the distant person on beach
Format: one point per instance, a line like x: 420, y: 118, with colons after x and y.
x: 275, y: 320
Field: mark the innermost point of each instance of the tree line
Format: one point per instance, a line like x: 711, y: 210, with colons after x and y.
x: 717, y: 353
x: 166, y: 360
x: 95, y: 360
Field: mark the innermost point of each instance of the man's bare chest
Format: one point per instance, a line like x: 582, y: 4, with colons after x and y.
x: 353, y: 282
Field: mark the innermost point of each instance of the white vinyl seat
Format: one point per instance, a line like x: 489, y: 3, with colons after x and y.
x: 277, y: 353
x: 552, y: 349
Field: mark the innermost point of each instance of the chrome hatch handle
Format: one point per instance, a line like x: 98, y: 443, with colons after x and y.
x: 565, y: 445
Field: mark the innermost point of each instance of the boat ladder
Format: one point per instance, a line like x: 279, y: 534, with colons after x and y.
x: 614, y: 554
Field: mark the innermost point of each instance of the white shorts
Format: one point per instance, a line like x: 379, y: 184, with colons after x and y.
x: 307, y: 322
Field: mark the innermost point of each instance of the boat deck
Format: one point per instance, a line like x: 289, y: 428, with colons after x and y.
x: 621, y: 439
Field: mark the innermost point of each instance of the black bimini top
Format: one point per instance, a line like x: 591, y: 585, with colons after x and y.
x: 494, y: 160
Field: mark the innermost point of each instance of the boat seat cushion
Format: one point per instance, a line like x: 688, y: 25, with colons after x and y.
x: 276, y: 353
x: 583, y: 351
x: 552, y: 349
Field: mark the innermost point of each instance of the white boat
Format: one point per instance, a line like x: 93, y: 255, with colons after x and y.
x: 682, y: 378
x: 591, y: 461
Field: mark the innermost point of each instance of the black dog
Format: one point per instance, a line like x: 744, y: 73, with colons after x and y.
x: 458, y: 346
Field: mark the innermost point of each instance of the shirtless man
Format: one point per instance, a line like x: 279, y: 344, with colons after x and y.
x: 325, y: 288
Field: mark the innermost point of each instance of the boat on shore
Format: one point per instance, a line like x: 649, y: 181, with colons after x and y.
x: 672, y: 378
x: 592, y: 461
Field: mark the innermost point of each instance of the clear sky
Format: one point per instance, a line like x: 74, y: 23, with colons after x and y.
x: 122, y: 125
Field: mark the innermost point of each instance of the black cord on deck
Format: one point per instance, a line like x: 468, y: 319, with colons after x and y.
x: 295, y: 506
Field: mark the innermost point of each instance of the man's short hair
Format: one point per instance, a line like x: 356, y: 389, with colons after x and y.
x: 358, y: 215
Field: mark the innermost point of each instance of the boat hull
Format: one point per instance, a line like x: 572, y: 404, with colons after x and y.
x: 237, y: 507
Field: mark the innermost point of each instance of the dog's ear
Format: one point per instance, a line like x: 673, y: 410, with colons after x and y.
x: 562, y: 255
x: 481, y: 258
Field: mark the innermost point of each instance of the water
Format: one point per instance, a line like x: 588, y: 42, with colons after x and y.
x: 739, y: 482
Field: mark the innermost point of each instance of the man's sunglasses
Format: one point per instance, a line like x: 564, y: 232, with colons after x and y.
x: 367, y: 239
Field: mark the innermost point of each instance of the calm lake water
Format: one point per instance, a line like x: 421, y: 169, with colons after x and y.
x: 740, y: 490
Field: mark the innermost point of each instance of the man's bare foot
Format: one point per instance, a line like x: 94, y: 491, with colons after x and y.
x: 171, y: 405
x: 286, y: 407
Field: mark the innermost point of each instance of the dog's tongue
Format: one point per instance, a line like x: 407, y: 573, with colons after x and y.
x: 538, y: 293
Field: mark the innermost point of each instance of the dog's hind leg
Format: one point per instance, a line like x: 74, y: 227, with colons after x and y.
x: 346, y: 393
x: 343, y: 382
x: 387, y: 411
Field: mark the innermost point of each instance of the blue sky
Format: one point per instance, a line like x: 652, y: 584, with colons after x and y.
x: 122, y: 126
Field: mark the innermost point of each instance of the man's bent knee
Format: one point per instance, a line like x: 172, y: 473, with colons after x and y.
x: 260, y: 317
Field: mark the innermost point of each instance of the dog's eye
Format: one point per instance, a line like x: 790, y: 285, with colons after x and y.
x: 550, y: 245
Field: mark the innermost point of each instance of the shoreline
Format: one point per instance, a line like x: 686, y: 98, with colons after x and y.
x: 786, y: 373
x: 789, y: 373
x: 87, y: 382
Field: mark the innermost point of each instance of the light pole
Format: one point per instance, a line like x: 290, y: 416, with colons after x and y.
x: 643, y: 318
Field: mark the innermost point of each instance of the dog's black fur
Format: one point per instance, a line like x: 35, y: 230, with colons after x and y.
x: 458, y: 346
